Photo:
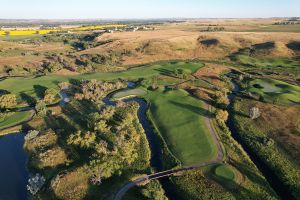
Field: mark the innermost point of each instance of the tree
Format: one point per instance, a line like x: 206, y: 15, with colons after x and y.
x: 83, y: 140
x: 221, y: 99
x: 254, y: 113
x: 41, y: 108
x: 102, y: 126
x: 31, y: 134
x: 64, y: 85
x: 221, y: 115
x: 8, y: 101
x: 35, y: 183
x: 50, y: 95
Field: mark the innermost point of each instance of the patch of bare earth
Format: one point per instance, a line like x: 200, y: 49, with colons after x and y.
x: 66, y: 72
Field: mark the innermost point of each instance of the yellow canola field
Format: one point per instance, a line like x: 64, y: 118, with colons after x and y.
x: 46, y: 31
x: 26, y: 32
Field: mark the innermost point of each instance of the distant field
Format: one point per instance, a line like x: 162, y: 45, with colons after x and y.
x: 275, y: 90
x: 278, y: 28
x: 47, y: 31
x: 30, y: 86
x: 15, y: 118
x: 180, y: 120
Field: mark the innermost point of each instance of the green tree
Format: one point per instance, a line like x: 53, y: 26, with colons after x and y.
x: 41, y: 109
x: 50, y: 95
x: 83, y: 140
x: 8, y: 101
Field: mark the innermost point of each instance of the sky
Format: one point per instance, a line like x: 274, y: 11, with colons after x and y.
x: 137, y: 9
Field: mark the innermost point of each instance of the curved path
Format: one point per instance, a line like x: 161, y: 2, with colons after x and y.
x: 158, y: 175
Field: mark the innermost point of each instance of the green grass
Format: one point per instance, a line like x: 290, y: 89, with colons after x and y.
x: 32, y: 86
x: 224, y: 172
x: 129, y: 93
x: 14, y: 119
x: 180, y: 120
x: 267, y: 62
x: 274, y: 90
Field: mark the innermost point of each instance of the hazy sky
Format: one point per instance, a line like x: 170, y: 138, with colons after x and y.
x: 85, y: 9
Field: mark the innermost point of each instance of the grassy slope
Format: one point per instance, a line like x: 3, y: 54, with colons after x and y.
x: 272, y: 89
x: 179, y: 117
x: 28, y: 85
x: 267, y: 62
x: 15, y: 118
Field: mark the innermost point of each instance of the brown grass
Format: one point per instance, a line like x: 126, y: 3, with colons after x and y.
x: 211, y: 73
x: 170, y: 44
x: 66, y: 72
x: 280, y: 123
x: 71, y: 185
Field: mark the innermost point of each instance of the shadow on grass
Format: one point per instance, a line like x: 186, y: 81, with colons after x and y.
x: 39, y: 90
x: 166, y: 72
x: 195, y: 109
x: 3, y: 92
x: 28, y: 99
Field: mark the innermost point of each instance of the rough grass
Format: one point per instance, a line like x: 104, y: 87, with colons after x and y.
x: 274, y: 90
x: 254, y: 134
x: 180, y: 119
x: 15, y: 118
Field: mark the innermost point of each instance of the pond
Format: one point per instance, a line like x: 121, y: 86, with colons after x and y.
x: 13, y: 167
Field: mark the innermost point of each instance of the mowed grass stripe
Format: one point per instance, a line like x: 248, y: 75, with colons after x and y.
x: 181, y: 121
x: 15, y: 119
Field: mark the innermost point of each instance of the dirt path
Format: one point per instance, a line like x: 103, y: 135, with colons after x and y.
x: 158, y: 175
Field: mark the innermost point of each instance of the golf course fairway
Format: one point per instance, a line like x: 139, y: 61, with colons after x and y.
x: 180, y: 119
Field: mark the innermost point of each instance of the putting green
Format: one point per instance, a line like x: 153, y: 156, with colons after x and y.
x: 180, y: 119
x: 273, y: 90
x: 224, y: 172
x: 129, y: 93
